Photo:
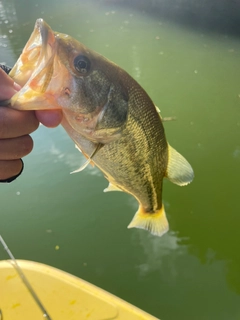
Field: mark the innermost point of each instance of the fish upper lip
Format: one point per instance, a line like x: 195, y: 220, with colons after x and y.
x: 45, y: 32
x: 36, y: 58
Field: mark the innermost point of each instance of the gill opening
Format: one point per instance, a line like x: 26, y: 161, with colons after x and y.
x: 25, y: 281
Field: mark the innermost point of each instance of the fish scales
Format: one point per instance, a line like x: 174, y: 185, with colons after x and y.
x: 140, y: 146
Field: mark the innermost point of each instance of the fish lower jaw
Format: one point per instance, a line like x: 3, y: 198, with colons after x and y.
x: 33, y: 101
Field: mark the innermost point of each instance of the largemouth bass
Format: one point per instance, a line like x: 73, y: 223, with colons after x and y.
x: 108, y: 115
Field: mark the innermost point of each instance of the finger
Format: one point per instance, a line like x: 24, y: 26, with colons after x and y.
x: 14, y: 123
x: 7, y: 85
x: 9, y: 170
x: 49, y: 118
x: 15, y: 148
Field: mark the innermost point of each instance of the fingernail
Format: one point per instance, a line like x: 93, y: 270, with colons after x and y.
x: 16, y: 86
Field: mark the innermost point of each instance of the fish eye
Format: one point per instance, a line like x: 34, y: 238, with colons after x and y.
x: 82, y: 64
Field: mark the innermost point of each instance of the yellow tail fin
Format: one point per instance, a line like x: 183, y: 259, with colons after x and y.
x: 156, y: 223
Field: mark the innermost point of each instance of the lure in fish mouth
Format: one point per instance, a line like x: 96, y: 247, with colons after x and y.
x: 112, y: 120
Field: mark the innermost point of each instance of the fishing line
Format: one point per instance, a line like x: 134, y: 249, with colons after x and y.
x: 25, y: 280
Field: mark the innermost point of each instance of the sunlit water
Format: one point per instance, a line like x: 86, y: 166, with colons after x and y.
x: 193, y: 272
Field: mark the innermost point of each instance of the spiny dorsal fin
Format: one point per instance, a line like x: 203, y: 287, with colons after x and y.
x: 179, y: 171
x: 158, y: 110
x: 164, y: 118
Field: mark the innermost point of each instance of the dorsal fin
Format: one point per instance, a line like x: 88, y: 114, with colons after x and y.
x: 179, y: 171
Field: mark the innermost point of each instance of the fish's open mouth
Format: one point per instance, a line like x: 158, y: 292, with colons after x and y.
x: 34, y: 68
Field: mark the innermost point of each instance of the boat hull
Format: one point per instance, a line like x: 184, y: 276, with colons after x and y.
x: 63, y: 295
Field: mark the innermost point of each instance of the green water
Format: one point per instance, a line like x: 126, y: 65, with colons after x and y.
x: 193, y: 272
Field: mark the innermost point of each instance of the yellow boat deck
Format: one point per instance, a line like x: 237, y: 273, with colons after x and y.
x: 63, y: 295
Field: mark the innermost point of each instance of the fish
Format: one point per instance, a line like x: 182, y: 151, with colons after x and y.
x: 109, y: 116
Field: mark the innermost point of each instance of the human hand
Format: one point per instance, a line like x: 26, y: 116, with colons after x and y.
x: 15, y: 127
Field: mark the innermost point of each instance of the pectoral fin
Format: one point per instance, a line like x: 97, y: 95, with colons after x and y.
x: 179, y: 171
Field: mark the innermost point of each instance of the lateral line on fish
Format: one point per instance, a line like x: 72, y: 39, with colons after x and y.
x: 98, y: 147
